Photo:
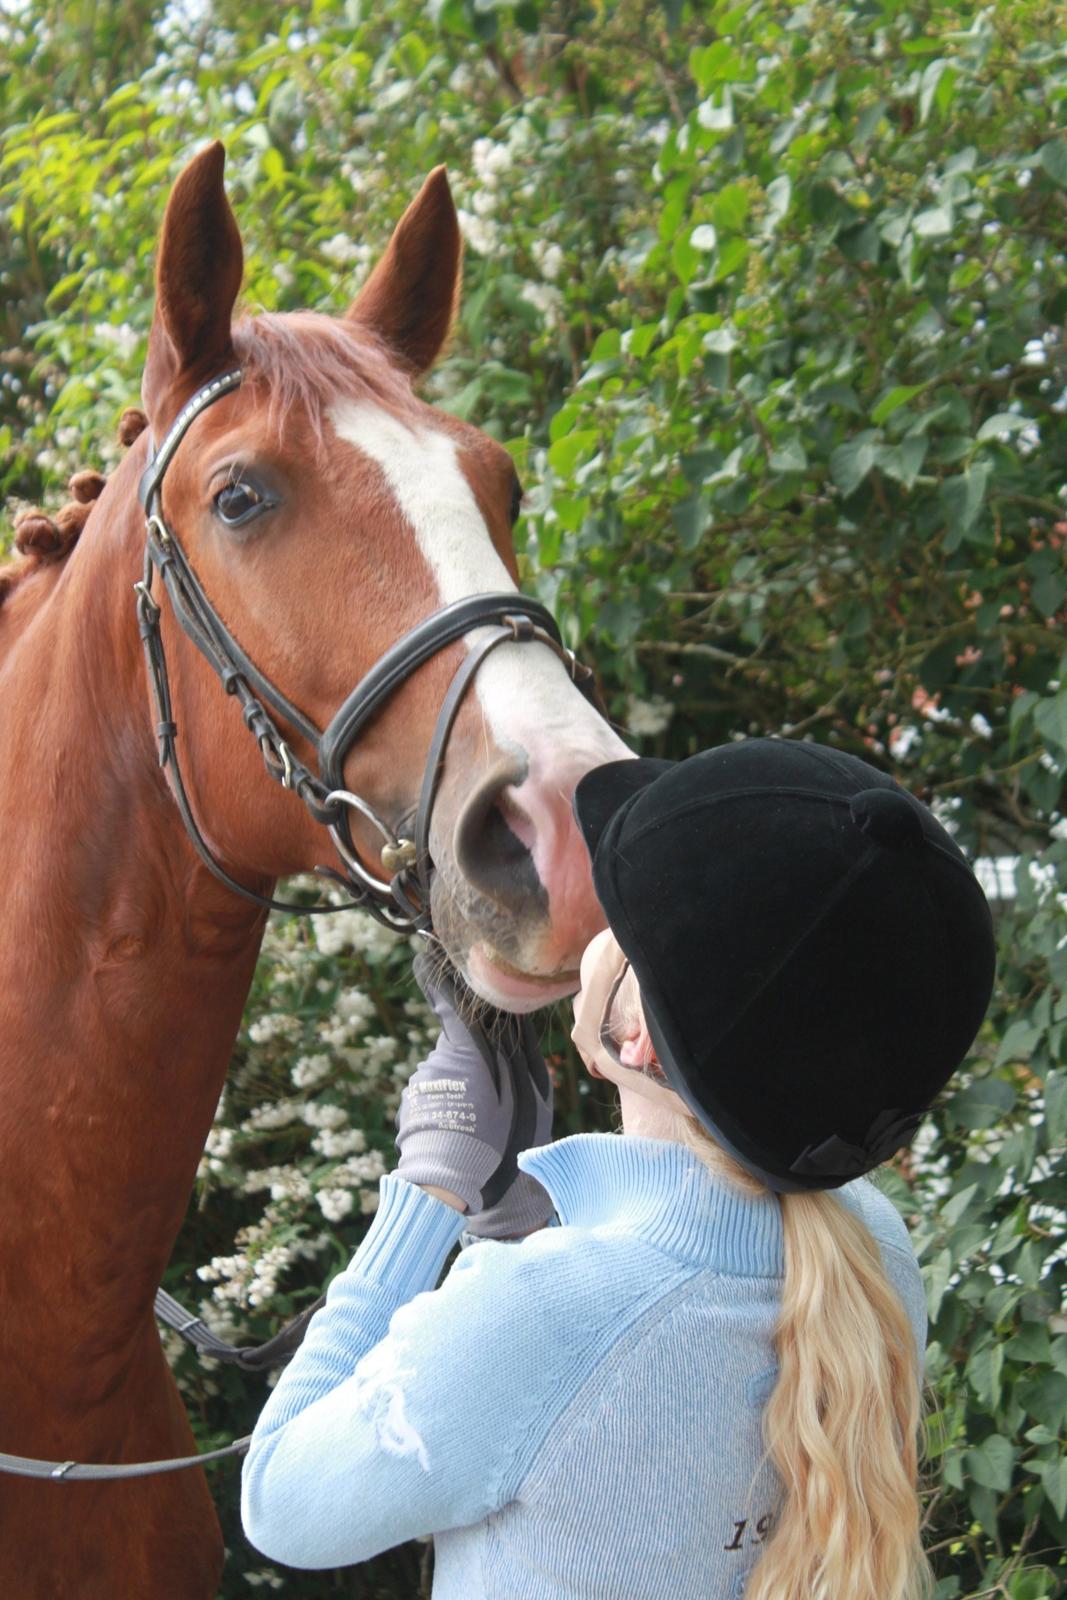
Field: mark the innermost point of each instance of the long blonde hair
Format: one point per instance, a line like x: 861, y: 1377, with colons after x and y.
x: 842, y: 1425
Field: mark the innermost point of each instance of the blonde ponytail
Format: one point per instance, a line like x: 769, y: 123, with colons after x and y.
x: 842, y: 1424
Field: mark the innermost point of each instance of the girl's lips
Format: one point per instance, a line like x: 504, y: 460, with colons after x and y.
x: 513, y: 990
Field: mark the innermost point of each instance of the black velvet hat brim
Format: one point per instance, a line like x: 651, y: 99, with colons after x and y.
x: 604, y: 791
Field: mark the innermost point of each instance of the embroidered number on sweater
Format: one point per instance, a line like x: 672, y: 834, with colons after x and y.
x: 760, y: 1531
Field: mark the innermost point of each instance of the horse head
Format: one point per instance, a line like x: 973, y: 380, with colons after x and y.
x: 326, y: 510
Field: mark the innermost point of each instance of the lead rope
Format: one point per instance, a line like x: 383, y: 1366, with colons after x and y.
x: 250, y: 1358
x: 80, y: 1471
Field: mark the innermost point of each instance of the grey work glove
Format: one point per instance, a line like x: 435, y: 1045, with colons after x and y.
x: 482, y: 1095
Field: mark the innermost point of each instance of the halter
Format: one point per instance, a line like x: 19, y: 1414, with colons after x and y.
x: 400, y: 896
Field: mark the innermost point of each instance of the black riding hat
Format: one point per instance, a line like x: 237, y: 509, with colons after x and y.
x: 815, y: 954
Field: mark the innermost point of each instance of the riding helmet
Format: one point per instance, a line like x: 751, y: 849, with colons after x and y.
x: 814, y: 952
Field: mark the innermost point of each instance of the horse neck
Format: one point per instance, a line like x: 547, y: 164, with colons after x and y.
x: 126, y: 964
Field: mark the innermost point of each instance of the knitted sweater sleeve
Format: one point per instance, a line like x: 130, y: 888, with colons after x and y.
x: 397, y: 1417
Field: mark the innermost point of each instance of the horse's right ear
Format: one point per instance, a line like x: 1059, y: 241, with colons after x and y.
x: 198, y: 275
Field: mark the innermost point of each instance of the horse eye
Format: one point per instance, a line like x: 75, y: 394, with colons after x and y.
x: 516, y: 501
x: 238, y: 503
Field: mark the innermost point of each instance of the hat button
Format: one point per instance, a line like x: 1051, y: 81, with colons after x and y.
x: 887, y: 817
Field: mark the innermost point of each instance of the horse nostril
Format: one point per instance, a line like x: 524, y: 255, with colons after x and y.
x: 489, y: 854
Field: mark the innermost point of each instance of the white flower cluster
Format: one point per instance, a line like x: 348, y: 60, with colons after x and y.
x: 322, y: 1062
x: 546, y: 299
x: 645, y: 718
x: 549, y: 258
x: 272, y: 1114
x: 489, y: 160
x: 335, y: 1142
x: 311, y: 1071
x: 353, y: 1009
x: 335, y: 1203
x: 123, y: 337
x: 353, y: 930
x: 323, y: 1115
x: 275, y: 1025
x: 344, y: 252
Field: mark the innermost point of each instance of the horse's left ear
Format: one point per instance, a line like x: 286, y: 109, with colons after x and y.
x: 198, y: 276
x: 410, y: 298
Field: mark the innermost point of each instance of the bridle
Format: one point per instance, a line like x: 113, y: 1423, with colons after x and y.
x: 400, y: 896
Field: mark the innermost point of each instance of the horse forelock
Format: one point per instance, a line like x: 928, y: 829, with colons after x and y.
x: 305, y: 360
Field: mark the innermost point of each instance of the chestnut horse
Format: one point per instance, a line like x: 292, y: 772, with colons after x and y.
x: 325, y: 510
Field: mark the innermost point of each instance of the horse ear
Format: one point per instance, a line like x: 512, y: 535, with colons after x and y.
x: 410, y: 298
x: 198, y: 275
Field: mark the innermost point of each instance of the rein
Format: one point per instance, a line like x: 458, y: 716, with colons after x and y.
x: 400, y: 897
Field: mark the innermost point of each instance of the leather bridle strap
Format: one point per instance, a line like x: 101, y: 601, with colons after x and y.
x: 401, y: 901
x: 518, y: 619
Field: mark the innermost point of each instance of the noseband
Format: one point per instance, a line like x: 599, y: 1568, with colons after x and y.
x: 400, y: 896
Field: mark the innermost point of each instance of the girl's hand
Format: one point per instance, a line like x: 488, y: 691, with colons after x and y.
x: 482, y: 1095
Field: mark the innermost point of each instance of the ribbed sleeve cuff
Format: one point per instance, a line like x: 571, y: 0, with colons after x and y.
x: 408, y: 1242
x: 462, y: 1165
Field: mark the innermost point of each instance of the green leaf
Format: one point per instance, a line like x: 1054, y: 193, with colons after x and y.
x: 732, y: 255
x: 1053, y: 157
x: 935, y: 87
x: 730, y: 207
x: 954, y: 1209
x: 981, y: 1104
x: 639, y: 340
x: 1054, y: 1483
x: 1030, y: 1344
x: 1001, y: 425
x: 273, y: 168
x: 990, y: 1463
x: 691, y: 520
x: 894, y: 400
x: 1045, y: 1398
x: 1050, y: 718
x: 1056, y: 1106
x: 867, y: 124
x: 779, y: 194
x: 936, y: 1277
x: 984, y: 1371
x: 720, y: 341
x: 685, y: 259
x: 936, y: 222
x: 962, y: 497
x: 715, y: 63
x: 941, y: 1429
x: 903, y: 462
x: 1048, y: 592
x: 608, y: 344
x: 1018, y: 1042
x: 850, y: 463
x: 565, y: 454
x: 789, y: 457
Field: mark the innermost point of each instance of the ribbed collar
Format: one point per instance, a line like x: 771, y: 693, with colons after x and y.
x: 662, y: 1192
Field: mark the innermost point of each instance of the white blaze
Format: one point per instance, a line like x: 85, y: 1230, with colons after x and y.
x: 525, y: 692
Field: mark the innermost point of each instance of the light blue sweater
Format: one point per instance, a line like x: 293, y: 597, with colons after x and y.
x: 575, y: 1415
